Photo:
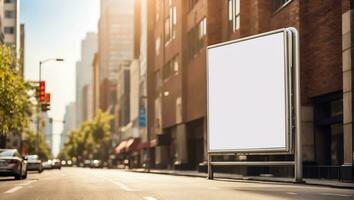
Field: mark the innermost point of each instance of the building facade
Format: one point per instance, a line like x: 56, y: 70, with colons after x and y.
x: 11, y: 23
x: 84, y: 79
x: 115, y: 47
x: 178, y: 35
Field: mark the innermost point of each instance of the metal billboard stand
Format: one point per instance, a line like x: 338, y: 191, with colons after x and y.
x: 293, y: 41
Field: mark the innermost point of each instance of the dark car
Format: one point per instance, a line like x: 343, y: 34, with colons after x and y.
x: 34, y: 164
x: 12, y: 164
x: 56, y: 164
x: 87, y: 163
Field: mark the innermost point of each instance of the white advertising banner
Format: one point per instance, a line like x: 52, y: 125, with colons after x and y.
x: 248, y: 94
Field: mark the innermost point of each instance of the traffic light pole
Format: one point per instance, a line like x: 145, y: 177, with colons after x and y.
x: 38, y: 111
x: 39, y: 106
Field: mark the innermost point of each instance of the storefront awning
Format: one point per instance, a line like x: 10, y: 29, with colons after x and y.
x: 121, y: 147
x: 132, y: 144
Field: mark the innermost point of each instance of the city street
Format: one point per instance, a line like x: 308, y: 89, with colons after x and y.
x: 95, y: 184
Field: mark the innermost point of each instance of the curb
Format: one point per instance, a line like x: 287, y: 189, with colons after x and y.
x: 245, y: 179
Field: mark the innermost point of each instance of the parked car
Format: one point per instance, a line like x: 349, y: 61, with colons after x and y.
x: 87, y: 163
x: 34, y: 164
x: 96, y: 164
x: 69, y: 163
x: 47, y: 164
x: 56, y: 164
x: 12, y: 164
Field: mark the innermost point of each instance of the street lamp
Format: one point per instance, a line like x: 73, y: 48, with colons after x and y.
x: 47, y: 60
x: 39, y: 109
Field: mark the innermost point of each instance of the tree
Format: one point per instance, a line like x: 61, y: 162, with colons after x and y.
x: 93, y: 138
x: 15, y: 106
x: 29, y: 145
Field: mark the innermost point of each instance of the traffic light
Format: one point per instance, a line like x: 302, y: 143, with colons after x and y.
x: 45, y: 105
x: 42, y: 94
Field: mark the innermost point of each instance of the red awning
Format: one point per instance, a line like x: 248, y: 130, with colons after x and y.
x: 132, y: 144
x: 121, y: 147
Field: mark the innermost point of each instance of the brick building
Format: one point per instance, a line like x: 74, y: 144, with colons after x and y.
x: 180, y: 31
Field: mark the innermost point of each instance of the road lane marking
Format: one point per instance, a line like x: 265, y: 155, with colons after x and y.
x: 291, y: 193
x: 13, y: 189
x: 124, y: 187
x: 149, y: 198
x: 27, y: 183
x: 333, y: 194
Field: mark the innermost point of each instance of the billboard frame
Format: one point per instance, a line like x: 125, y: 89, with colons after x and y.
x: 292, y: 108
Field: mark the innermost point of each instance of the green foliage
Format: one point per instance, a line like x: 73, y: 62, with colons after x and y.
x: 15, y: 107
x: 30, y: 141
x: 92, y: 140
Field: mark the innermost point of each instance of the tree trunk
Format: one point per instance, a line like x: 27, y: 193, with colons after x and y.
x: 2, y: 141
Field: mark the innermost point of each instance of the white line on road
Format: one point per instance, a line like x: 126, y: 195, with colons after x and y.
x: 13, y: 189
x: 149, y: 198
x: 333, y: 194
x: 291, y: 193
x: 27, y: 183
x: 124, y: 187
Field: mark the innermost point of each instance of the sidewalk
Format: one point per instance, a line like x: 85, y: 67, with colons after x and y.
x: 318, y: 182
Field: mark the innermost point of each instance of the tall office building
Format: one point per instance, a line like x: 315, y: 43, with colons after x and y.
x: 84, y: 79
x: 115, y: 36
x: 116, y: 42
x: 70, y: 122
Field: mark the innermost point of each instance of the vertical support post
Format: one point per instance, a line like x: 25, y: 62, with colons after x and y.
x: 210, y: 168
x: 298, y: 148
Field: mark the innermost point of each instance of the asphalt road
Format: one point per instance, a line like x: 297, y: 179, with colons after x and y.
x: 97, y: 184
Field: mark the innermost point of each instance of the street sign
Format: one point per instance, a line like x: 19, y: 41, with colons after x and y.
x: 142, y: 117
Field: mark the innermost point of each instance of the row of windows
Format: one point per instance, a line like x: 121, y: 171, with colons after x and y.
x: 9, y: 30
x: 10, y: 1
x: 196, y: 37
x: 170, y: 24
x: 10, y: 14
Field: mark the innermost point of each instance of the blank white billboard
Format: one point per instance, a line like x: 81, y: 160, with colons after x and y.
x: 247, y: 95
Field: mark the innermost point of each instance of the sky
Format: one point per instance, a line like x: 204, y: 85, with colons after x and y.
x: 54, y: 29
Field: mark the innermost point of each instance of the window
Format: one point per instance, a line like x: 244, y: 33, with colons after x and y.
x: 196, y: 37
x: 158, y: 4
x: 234, y: 15
x: 10, y: 14
x: 9, y: 30
x: 157, y: 46
x: 9, y: 1
x: 158, y: 80
x: 171, y: 68
x: 202, y: 28
x: 277, y: 4
x: 170, y: 21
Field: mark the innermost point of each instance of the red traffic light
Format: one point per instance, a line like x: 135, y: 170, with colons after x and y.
x: 47, y: 97
x: 42, y: 95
